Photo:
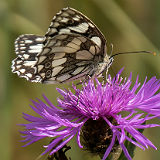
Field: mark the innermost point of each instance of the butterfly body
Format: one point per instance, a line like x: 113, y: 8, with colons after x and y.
x: 73, y: 48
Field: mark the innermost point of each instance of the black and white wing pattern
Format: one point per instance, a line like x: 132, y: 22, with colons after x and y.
x: 27, y: 47
x: 72, y: 48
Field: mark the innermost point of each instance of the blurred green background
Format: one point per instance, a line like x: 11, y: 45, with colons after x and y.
x: 129, y: 24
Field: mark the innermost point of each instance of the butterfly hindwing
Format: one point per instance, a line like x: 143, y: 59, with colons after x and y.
x: 27, y: 47
x: 67, y: 57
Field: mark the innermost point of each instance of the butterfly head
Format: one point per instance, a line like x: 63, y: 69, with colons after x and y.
x: 104, y: 66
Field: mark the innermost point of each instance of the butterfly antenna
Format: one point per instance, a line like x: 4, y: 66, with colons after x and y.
x: 134, y: 52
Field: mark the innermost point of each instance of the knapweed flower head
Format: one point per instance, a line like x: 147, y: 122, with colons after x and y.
x: 95, y: 116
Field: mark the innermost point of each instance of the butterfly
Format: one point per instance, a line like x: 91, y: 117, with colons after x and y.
x: 73, y: 48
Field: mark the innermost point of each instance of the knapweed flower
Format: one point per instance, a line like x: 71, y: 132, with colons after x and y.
x: 101, y: 116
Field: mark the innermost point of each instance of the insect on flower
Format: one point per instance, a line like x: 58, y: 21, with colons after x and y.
x: 73, y: 48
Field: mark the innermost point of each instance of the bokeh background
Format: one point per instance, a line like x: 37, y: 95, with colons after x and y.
x: 130, y: 25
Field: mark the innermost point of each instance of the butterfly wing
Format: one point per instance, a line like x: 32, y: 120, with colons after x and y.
x: 67, y: 57
x: 27, y: 47
x: 73, y: 25
x: 71, y: 21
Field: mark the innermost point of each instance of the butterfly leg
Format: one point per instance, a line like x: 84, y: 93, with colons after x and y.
x: 86, y: 78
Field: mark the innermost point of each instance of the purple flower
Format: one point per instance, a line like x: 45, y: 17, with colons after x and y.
x: 99, y: 109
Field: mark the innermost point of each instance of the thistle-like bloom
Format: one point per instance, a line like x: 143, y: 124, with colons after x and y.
x: 94, y: 115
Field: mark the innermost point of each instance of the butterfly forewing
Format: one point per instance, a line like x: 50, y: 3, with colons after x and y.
x: 72, y: 48
x: 70, y: 21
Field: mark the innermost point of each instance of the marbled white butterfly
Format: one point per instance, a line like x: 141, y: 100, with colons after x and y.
x: 73, y: 48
